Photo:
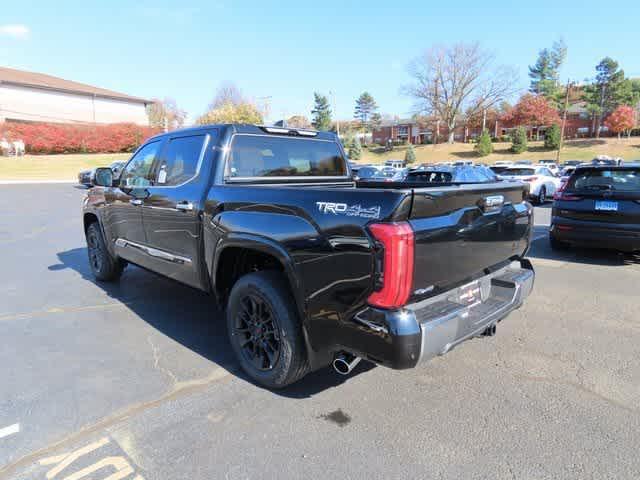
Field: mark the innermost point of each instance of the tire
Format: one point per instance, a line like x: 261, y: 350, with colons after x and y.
x: 104, y: 266
x: 265, y: 330
x: 542, y: 196
x: 557, y: 244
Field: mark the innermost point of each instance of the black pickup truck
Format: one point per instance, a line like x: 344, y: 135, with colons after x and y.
x: 312, y: 269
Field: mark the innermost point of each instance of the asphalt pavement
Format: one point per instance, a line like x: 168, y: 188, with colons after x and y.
x: 135, y: 380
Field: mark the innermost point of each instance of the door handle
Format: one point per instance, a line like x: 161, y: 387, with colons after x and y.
x: 135, y: 201
x: 184, y: 206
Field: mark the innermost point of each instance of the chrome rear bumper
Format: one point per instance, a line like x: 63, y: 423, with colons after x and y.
x: 465, y: 312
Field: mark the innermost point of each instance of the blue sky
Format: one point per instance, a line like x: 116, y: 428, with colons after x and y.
x: 287, y: 49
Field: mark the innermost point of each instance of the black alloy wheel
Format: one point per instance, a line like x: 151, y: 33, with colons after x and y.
x: 257, y: 329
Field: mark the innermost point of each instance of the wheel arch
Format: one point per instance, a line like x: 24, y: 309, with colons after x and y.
x: 238, y: 254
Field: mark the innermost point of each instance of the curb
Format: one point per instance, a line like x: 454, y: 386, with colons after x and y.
x: 27, y: 182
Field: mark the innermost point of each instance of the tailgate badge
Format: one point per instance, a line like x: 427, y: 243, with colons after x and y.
x: 492, y: 203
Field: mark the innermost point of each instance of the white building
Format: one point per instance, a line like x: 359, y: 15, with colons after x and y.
x: 36, y: 97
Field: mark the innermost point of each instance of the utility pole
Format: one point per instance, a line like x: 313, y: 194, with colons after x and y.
x: 564, y: 120
x: 265, y: 105
x: 333, y: 101
x: 484, y: 119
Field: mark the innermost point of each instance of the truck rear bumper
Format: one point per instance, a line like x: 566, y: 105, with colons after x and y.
x: 458, y: 315
x: 434, y: 326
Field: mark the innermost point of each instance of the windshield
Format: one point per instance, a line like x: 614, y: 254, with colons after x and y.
x: 520, y: 172
x: 627, y: 180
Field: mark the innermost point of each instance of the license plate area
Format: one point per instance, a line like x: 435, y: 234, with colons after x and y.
x: 469, y: 295
x: 606, y: 206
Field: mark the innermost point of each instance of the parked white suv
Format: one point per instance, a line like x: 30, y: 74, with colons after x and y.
x: 542, y: 182
x: 394, y: 163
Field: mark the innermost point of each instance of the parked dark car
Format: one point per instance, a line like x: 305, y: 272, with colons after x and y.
x: 364, y: 173
x: 444, y: 174
x: 599, y: 206
x: 310, y: 269
x: 87, y: 177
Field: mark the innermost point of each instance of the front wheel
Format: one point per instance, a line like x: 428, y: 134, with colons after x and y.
x: 104, y: 266
x: 542, y: 195
x: 265, y: 331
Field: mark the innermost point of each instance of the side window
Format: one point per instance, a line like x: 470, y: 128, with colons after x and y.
x: 179, y: 162
x: 136, y: 173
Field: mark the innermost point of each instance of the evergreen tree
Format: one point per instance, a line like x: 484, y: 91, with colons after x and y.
x: 483, y: 145
x: 376, y: 120
x: 410, y: 155
x: 552, y: 137
x: 366, y: 107
x: 545, y: 73
x: 606, y: 92
x: 321, y: 112
x: 355, y: 149
x: 519, y: 142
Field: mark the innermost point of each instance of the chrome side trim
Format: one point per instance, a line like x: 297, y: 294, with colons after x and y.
x: 153, y: 252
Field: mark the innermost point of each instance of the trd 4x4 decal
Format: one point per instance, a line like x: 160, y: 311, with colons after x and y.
x: 349, y: 210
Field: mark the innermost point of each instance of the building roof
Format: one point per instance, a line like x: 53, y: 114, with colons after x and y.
x: 11, y: 76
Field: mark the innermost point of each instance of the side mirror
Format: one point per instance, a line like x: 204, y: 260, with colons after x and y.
x: 103, y: 177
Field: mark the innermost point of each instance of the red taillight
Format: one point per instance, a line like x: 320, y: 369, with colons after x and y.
x: 561, y: 195
x: 530, y: 179
x: 396, y: 268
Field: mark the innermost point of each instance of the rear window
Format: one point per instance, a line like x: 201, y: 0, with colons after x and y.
x: 265, y: 156
x: 627, y: 180
x: 367, y: 172
x: 519, y: 171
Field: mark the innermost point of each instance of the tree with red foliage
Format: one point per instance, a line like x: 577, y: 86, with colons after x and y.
x: 622, y: 119
x: 533, y: 111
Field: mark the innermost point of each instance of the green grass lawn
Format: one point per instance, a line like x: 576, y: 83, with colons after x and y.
x: 54, y: 167
x: 585, y: 149
x: 66, y: 167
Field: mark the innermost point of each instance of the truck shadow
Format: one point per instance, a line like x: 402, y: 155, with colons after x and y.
x: 191, y: 318
x: 541, y: 249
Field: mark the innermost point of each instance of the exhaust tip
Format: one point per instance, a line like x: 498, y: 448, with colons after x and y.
x: 344, y: 364
x: 490, y: 330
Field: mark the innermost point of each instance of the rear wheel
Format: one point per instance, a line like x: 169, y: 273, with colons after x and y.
x: 264, y: 330
x: 104, y: 266
x: 542, y: 195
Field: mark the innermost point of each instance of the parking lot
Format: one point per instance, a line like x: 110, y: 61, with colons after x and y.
x: 135, y: 380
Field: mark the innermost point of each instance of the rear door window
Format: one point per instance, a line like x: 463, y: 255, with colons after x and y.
x: 267, y: 156
x: 180, y: 161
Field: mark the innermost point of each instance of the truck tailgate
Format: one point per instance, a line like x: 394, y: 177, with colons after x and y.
x: 461, y: 231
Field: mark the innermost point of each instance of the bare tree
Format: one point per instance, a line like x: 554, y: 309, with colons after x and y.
x: 166, y: 114
x: 228, y: 92
x: 450, y: 81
